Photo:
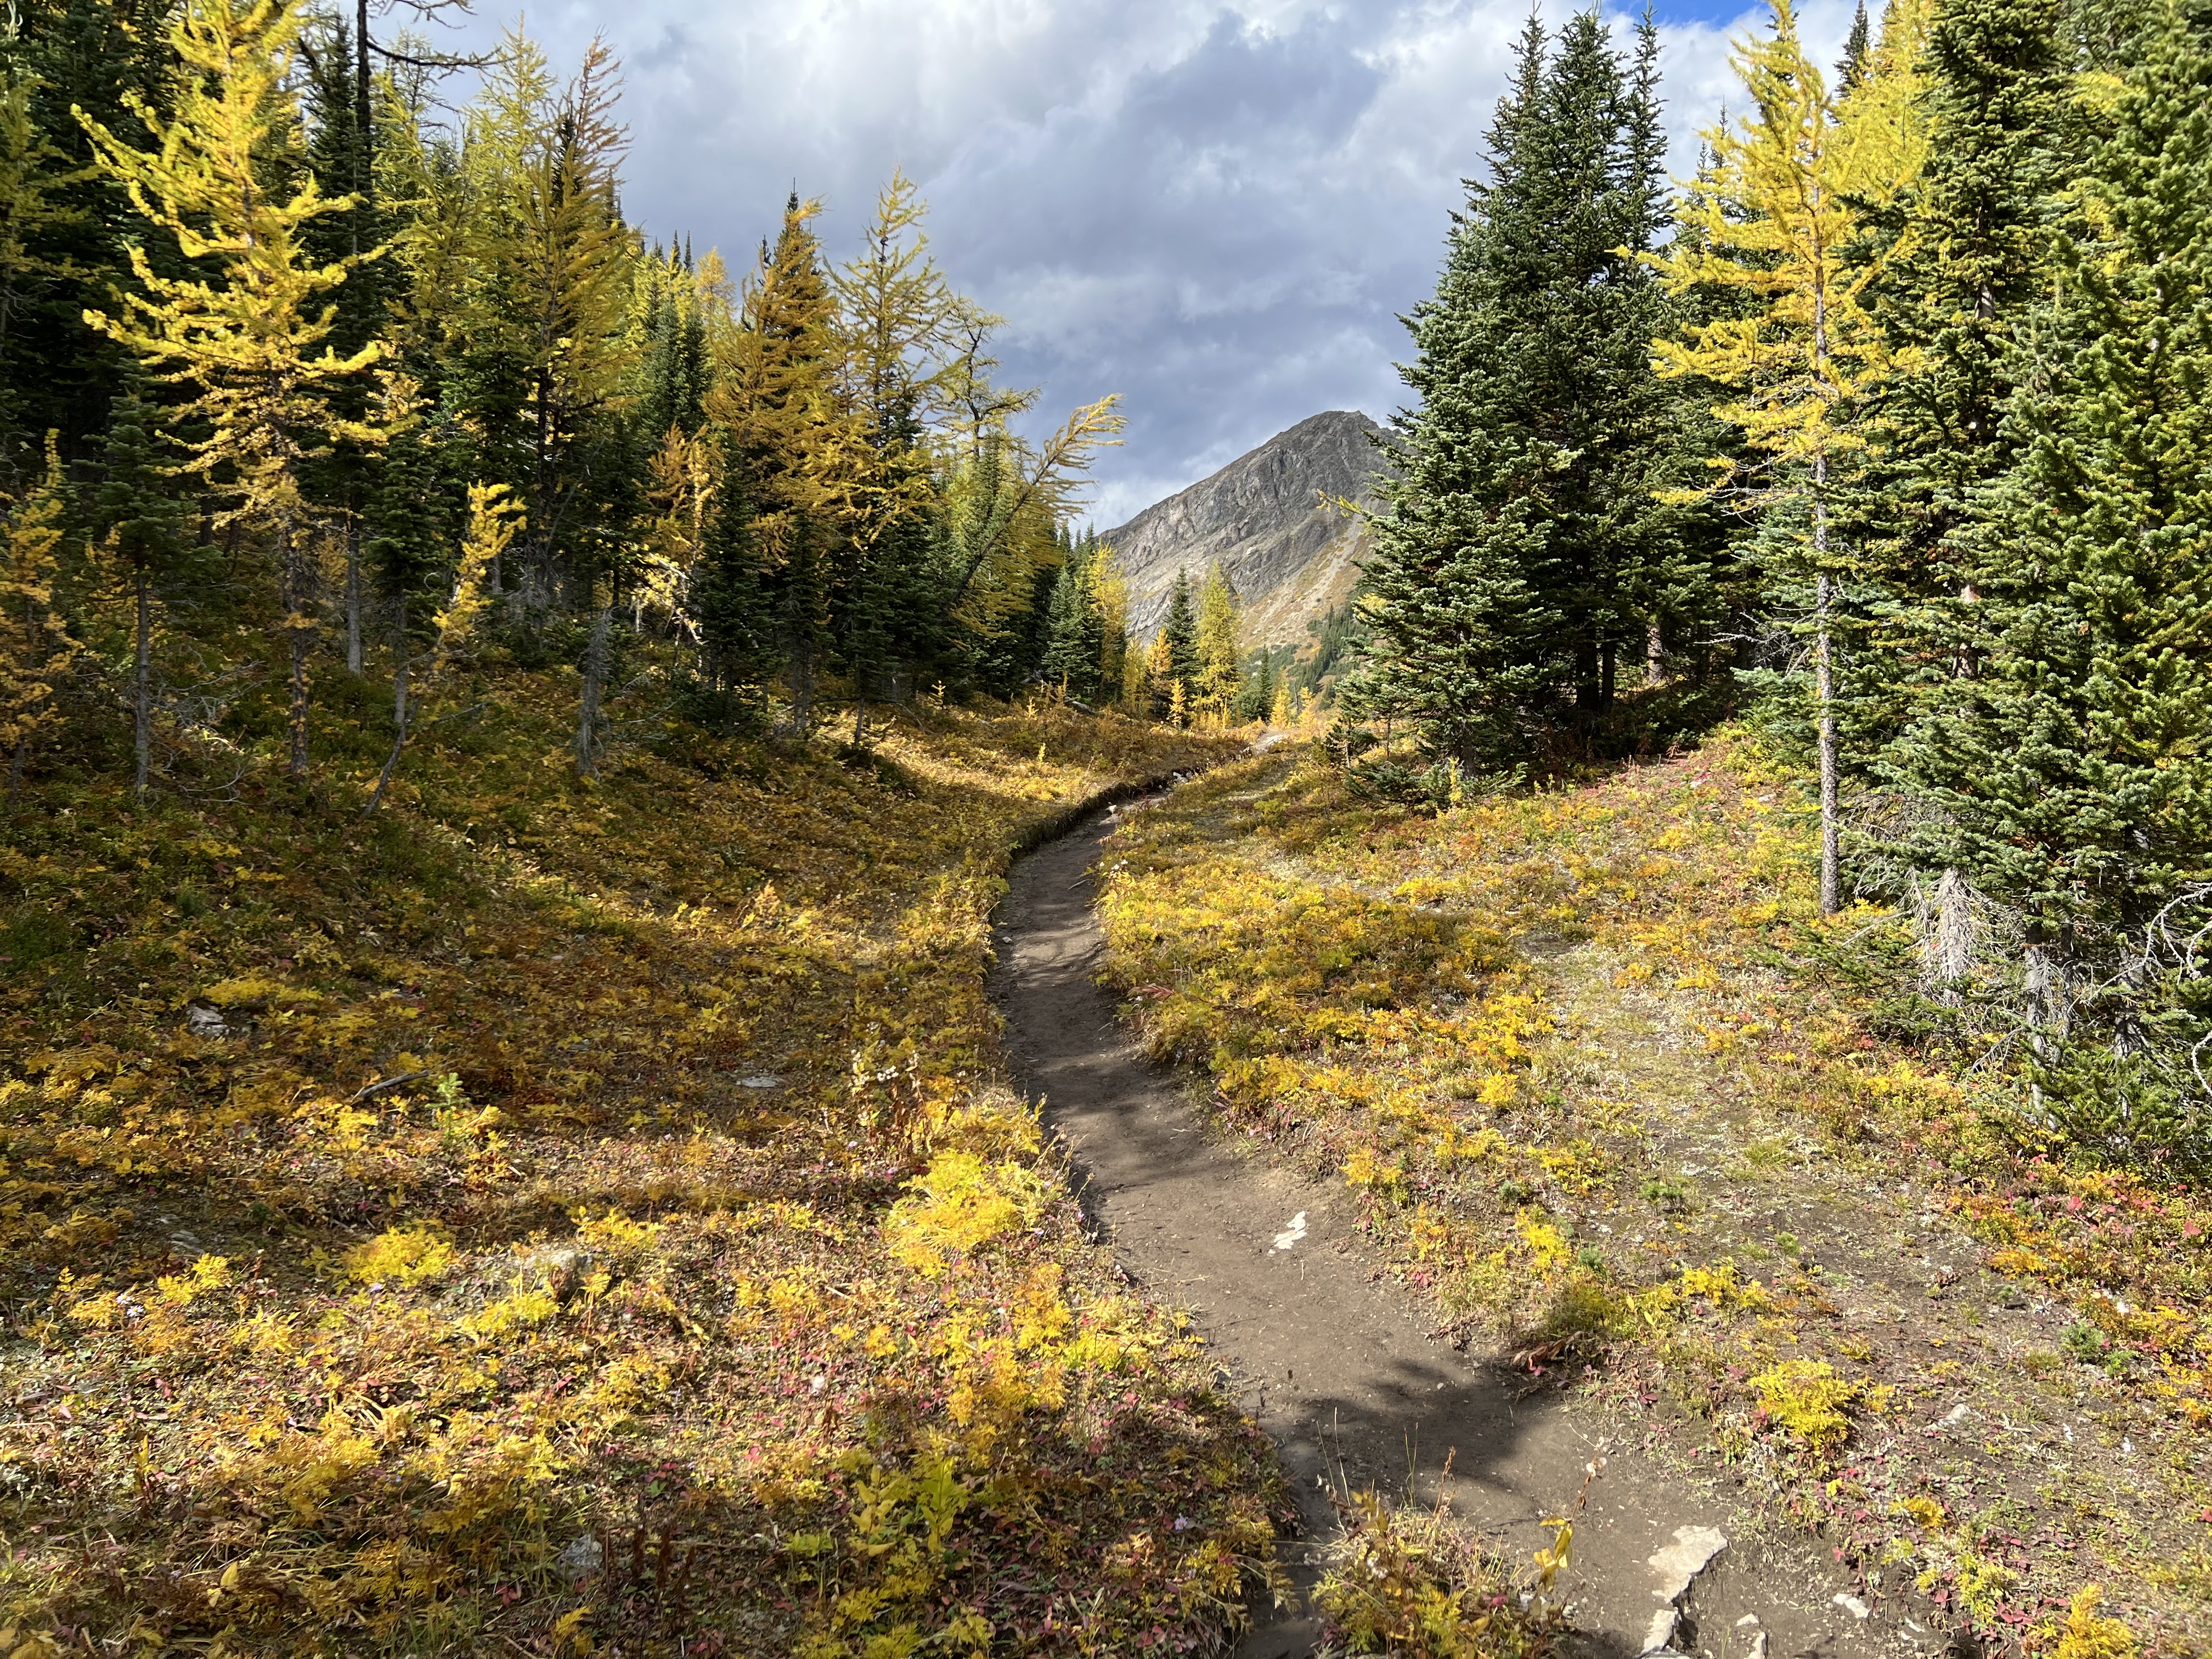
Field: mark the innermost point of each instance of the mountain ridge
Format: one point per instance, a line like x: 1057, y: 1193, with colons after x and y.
x: 1268, y: 519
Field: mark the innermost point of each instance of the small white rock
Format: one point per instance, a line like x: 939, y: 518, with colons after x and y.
x: 1292, y: 1234
x: 582, y: 1558
x: 1852, y: 1604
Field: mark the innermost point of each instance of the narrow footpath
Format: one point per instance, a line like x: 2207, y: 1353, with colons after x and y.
x: 1330, y: 1357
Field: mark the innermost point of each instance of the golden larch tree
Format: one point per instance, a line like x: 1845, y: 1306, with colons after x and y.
x: 243, y: 327
x: 1785, y: 194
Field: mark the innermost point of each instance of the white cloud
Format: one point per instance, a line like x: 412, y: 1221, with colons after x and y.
x: 1219, y: 210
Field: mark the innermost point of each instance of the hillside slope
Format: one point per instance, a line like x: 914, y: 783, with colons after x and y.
x: 1264, y: 519
x: 1612, y: 1092
x: 557, y: 1212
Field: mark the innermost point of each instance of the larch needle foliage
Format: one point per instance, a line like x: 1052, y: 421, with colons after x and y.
x: 250, y: 341
x: 576, y: 1215
x: 1768, y: 231
x: 1611, y: 1090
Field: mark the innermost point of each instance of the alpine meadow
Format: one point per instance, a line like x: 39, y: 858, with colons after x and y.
x: 653, y: 1003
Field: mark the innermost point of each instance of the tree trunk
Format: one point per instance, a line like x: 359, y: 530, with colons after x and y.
x: 2050, y: 1009
x: 353, y: 595
x: 1951, y: 954
x: 299, y: 630
x: 1824, y: 698
x: 141, y: 692
x: 1655, y: 655
x: 364, y: 115
x: 802, y: 691
x: 399, y: 709
x: 595, y: 679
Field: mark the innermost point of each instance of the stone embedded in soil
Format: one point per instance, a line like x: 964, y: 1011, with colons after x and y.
x: 1684, y: 1560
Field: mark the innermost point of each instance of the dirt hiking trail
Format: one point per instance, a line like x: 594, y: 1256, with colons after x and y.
x: 1332, y: 1360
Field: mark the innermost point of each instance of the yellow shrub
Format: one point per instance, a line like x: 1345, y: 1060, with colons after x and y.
x: 1546, y: 1243
x: 958, y: 1205
x: 496, y: 1319
x: 402, y: 1256
x: 1807, y: 1398
x: 1926, y: 1511
x: 613, y: 1233
x: 2087, y: 1636
x: 1361, y: 1168
x: 210, y: 1273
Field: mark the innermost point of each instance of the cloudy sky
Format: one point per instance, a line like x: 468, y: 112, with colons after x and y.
x: 1217, y: 210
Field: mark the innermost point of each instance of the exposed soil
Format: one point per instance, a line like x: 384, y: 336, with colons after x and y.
x: 1333, y: 1360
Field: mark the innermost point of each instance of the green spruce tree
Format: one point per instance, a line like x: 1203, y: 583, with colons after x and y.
x: 728, y: 599
x: 1856, y: 45
x: 1075, y: 630
x: 1179, y: 635
x: 2067, y: 767
x: 1523, y: 552
x: 1963, y: 256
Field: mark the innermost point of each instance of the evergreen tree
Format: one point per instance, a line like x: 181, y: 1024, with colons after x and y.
x: 728, y: 598
x: 1175, y: 655
x: 65, y: 226
x: 1522, y: 549
x: 673, y: 367
x: 556, y: 257
x: 493, y: 520
x: 1075, y: 630
x: 414, y: 525
x: 337, y: 153
x: 34, y: 174
x: 2069, y: 766
x: 1959, y: 260
x: 1857, y: 45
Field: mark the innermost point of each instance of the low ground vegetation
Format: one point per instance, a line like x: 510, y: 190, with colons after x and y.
x: 565, y: 1214
x: 1638, y: 1118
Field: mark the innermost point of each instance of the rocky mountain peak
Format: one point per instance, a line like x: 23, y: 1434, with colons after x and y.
x: 1266, y: 520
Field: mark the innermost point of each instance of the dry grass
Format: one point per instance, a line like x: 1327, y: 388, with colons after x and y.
x: 602, y: 1225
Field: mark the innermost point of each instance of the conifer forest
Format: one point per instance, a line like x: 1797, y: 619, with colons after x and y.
x: 529, y: 746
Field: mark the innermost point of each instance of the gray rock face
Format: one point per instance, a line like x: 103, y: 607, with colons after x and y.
x: 1266, y: 520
